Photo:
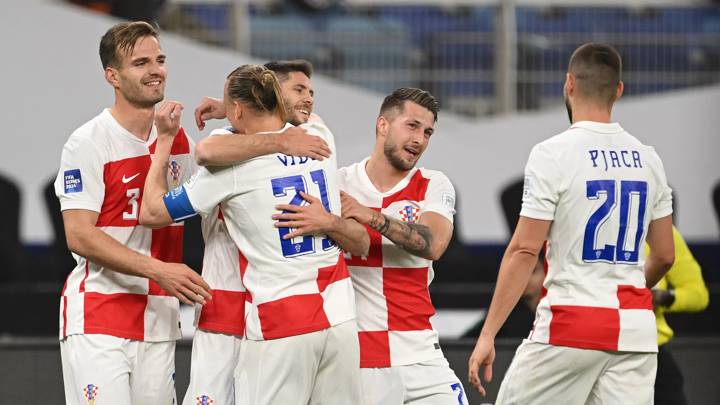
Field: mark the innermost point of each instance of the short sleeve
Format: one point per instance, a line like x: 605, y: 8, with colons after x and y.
x: 541, y: 185
x: 208, y: 187
x: 440, y: 197
x: 79, y: 183
x: 662, y: 206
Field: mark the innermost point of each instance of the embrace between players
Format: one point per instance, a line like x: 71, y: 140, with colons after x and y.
x: 314, y: 286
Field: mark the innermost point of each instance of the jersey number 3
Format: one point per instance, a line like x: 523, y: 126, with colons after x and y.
x: 633, y: 201
x: 280, y: 188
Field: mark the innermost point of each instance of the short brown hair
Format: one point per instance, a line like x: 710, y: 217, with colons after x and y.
x: 258, y: 87
x: 597, y: 69
x: 398, y: 97
x: 121, y: 38
x: 283, y: 68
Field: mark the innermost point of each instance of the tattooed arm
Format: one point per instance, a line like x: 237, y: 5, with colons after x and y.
x: 428, y: 238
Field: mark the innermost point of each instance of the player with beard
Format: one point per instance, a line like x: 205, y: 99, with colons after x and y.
x: 592, y: 195
x: 408, y: 213
x: 119, y: 311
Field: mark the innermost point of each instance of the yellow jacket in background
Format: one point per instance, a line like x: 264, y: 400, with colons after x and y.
x: 685, y: 278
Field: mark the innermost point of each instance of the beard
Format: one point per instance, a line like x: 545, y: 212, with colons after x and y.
x: 569, y: 108
x: 140, y: 100
x: 396, y: 161
x: 293, y: 116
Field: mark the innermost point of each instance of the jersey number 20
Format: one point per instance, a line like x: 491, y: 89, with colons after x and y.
x: 297, y: 183
x: 633, y: 199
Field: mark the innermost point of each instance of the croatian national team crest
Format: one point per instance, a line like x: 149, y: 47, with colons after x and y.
x: 174, y: 168
x: 90, y: 393
x: 204, y: 400
x: 409, y: 214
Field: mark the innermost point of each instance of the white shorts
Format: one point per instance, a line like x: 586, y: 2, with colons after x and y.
x: 114, y: 371
x: 546, y: 374
x: 315, y: 368
x: 212, y: 368
x: 429, y: 382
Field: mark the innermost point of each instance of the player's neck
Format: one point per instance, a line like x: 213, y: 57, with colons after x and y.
x: 382, y: 174
x: 137, y: 121
x: 591, y: 113
x: 263, y: 123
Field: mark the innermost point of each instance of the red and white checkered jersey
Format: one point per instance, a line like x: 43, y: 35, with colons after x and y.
x: 391, y: 285
x: 293, y: 286
x: 225, y: 313
x: 601, y: 188
x: 103, y: 169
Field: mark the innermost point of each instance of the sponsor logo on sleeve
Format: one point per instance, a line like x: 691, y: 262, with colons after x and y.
x: 73, y: 181
x: 448, y: 200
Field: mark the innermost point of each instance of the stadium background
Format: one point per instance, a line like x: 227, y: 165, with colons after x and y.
x: 497, y: 68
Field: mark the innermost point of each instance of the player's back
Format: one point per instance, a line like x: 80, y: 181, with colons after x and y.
x: 305, y: 277
x: 601, y: 187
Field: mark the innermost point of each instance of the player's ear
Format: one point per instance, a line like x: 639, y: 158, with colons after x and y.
x: 569, y: 83
x: 381, y: 126
x: 619, y: 91
x: 111, y: 76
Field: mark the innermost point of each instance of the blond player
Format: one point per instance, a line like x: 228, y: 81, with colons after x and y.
x: 119, y: 308
x: 593, y: 194
x: 300, y: 303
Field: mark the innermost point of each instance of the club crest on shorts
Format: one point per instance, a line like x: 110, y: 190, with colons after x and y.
x: 204, y: 400
x: 90, y: 393
x: 409, y: 214
x: 174, y: 169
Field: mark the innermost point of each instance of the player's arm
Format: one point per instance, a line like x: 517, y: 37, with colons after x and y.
x: 662, y: 250
x: 85, y: 239
x: 428, y: 238
x: 314, y: 219
x: 153, y: 212
x: 515, y: 269
x: 229, y: 150
x: 689, y: 292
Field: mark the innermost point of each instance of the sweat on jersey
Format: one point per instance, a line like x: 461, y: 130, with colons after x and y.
x: 391, y: 285
x: 103, y: 169
x: 601, y: 188
x: 293, y: 286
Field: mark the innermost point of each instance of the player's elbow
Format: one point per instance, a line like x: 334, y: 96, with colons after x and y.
x: 203, y: 154
x: 76, y: 238
x: 153, y: 218
x: 665, y: 259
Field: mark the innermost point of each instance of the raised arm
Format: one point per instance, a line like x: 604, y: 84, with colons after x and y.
x: 229, y: 150
x: 428, y: 238
x: 515, y: 269
x: 313, y: 219
x: 153, y: 212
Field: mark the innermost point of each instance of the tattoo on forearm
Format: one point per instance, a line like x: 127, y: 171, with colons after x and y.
x: 414, y: 238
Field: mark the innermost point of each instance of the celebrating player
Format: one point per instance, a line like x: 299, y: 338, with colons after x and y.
x: 595, y: 193
x: 119, y: 307
x: 300, y: 299
x: 408, y: 212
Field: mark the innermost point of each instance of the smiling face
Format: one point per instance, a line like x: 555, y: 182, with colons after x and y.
x: 297, y: 93
x: 140, y: 76
x: 407, y: 132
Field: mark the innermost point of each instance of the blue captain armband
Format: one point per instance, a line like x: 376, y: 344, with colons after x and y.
x: 178, y: 204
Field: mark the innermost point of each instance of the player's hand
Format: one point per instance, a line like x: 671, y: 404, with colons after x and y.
x: 167, y: 118
x: 308, y: 219
x: 482, y: 355
x: 209, y: 108
x: 295, y: 141
x: 182, y: 282
x: 352, y: 209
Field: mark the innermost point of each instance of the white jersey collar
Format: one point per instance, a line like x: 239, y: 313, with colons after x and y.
x: 600, y: 127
